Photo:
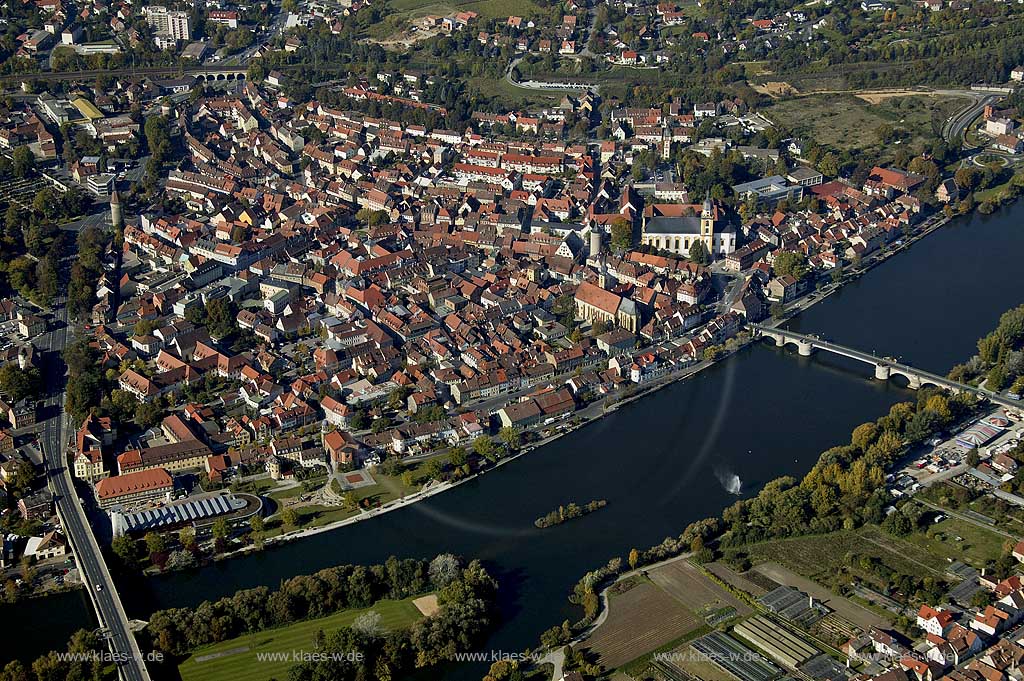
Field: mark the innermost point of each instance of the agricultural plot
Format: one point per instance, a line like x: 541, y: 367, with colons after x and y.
x: 955, y: 539
x: 696, y: 592
x: 821, y: 557
x: 640, y: 620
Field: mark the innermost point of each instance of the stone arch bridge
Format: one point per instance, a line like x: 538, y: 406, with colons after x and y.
x: 885, y: 367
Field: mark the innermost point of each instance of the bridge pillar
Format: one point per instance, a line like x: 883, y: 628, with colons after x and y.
x: 779, y: 341
x: 882, y: 372
x: 804, y: 349
x: 915, y: 382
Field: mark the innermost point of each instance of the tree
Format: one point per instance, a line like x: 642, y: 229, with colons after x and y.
x: 790, y: 262
x: 148, y: 414
x: 155, y: 543
x: 511, y: 436
x: 699, y: 253
x: 457, y: 457
x: 158, y: 137
x: 443, y: 570
x: 633, y: 559
x: 19, y: 383
x: 435, y: 469
x: 829, y: 165
x: 484, y: 446
x: 256, y: 524
x: 966, y: 178
x: 187, y: 537
x: 221, y: 317
x: 24, y: 162
x: 372, y: 218
x: 127, y: 551
x: 290, y: 518
x: 897, y: 524
x: 622, y: 234
x: 864, y: 435
x: 219, y: 529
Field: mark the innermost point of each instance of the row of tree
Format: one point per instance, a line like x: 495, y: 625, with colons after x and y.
x: 178, y: 630
x: 1000, y: 359
x: 467, y: 613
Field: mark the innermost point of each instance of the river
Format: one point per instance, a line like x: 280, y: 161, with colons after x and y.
x: 658, y: 461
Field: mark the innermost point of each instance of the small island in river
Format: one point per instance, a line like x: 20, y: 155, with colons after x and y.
x: 568, y: 512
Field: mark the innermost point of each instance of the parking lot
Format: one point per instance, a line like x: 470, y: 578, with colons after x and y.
x: 944, y: 458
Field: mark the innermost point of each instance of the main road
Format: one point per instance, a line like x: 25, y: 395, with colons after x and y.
x: 92, y: 567
x: 956, y: 125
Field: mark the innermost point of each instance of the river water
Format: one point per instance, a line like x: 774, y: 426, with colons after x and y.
x: 661, y: 462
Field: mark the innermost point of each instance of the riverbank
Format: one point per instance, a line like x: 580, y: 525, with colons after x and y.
x: 598, y: 410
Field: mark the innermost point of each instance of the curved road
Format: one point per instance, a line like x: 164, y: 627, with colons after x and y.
x: 956, y: 124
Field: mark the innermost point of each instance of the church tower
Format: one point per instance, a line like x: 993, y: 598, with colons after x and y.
x: 707, y: 221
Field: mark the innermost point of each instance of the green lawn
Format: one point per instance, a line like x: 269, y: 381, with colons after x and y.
x: 977, y: 545
x: 388, y: 488
x: 512, y: 95
x: 236, y: 659
x: 487, y: 9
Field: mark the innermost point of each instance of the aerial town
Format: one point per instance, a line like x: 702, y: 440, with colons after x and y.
x: 274, y: 271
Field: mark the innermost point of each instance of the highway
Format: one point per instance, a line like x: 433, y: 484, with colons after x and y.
x: 92, y: 567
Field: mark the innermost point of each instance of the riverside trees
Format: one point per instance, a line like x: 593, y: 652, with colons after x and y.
x: 467, y: 600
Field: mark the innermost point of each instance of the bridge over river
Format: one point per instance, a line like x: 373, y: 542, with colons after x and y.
x: 885, y: 367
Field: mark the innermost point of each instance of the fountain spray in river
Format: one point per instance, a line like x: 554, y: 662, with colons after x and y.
x: 730, y: 481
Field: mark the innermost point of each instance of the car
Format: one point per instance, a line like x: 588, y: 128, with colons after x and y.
x: 99, y: 587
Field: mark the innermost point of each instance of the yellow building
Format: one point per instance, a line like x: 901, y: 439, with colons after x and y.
x: 675, y: 227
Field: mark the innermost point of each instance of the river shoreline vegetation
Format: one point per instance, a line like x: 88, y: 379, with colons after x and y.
x: 569, y: 512
x: 466, y: 612
x: 999, y: 363
x: 843, y: 492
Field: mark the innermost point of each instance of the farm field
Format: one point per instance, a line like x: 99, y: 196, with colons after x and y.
x: 821, y: 557
x: 849, y: 122
x: 689, y: 586
x: 236, y: 659
x: 730, y: 576
x: 640, y: 620
x: 690, y: 660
